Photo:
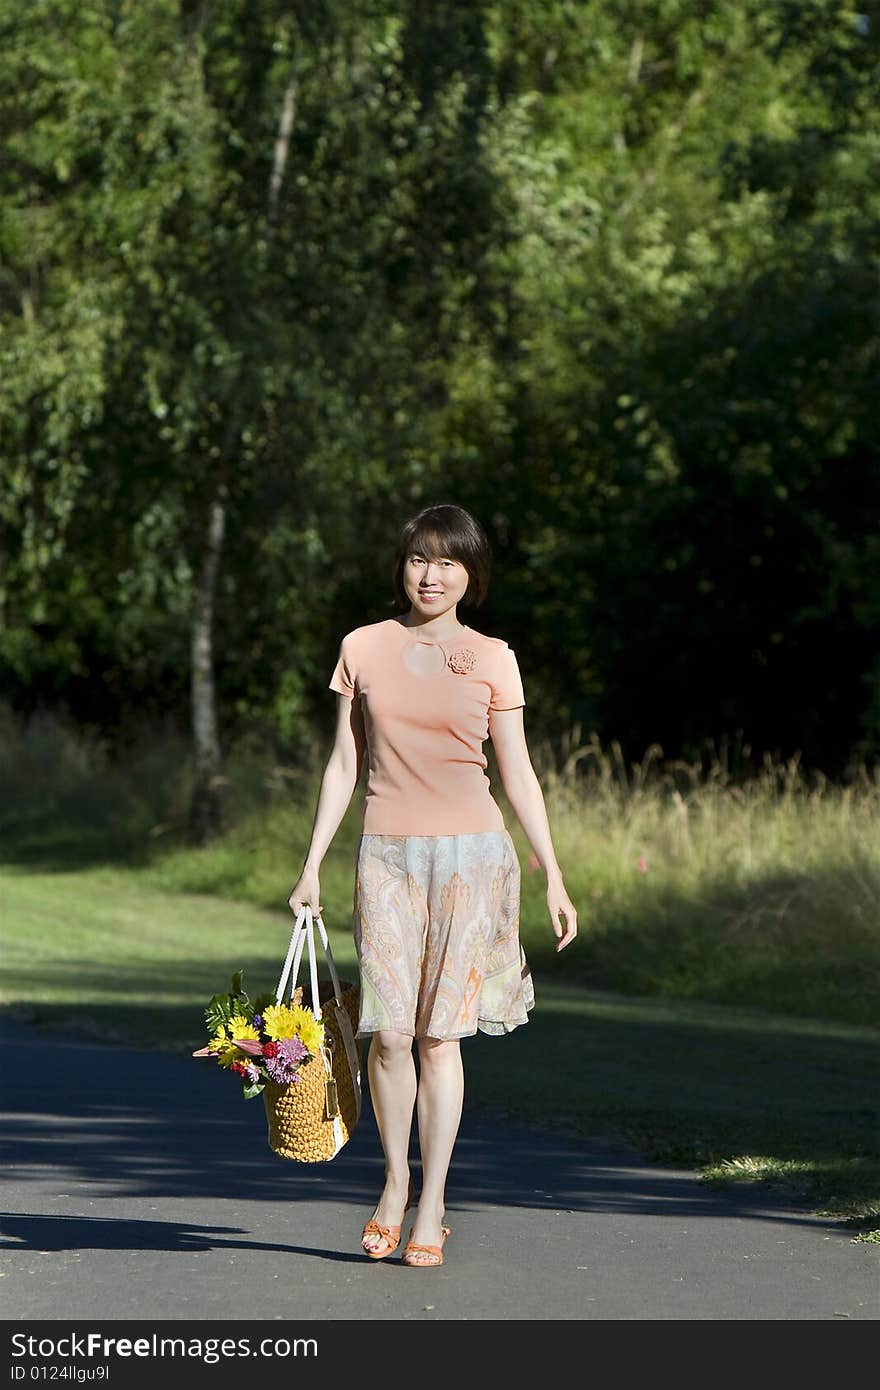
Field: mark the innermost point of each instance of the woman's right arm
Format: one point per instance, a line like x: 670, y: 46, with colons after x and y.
x: 341, y: 776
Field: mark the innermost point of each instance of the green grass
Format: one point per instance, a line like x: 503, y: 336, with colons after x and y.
x: 688, y: 884
x: 739, y: 1094
x: 719, y: 1008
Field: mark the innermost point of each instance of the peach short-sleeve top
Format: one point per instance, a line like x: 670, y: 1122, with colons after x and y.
x: 426, y: 718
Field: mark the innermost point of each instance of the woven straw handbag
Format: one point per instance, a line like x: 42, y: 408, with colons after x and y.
x: 311, y: 1119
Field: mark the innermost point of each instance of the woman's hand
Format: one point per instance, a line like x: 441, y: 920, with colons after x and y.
x: 558, y: 902
x: 307, y: 889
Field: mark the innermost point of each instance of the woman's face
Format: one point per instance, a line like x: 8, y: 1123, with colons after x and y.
x: 434, y: 586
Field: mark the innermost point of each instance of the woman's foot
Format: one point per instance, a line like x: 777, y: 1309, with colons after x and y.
x: 425, y: 1243
x: 381, y: 1234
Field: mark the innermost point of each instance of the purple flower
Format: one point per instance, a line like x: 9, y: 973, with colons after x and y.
x: 258, y: 1021
x: 285, y: 1066
x: 294, y: 1049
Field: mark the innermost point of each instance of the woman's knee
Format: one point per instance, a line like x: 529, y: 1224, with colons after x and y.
x: 438, y: 1053
x: 389, y: 1046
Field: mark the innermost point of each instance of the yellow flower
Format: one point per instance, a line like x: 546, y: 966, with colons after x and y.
x: 280, y: 1021
x: 240, y: 1028
x: 224, y: 1047
x: 309, y: 1031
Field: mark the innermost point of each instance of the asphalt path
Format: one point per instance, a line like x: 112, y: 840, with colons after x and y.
x: 140, y: 1186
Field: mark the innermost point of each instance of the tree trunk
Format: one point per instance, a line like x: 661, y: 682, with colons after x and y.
x: 279, y: 157
x: 205, y: 807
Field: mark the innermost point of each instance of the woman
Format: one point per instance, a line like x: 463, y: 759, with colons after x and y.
x: 436, y: 896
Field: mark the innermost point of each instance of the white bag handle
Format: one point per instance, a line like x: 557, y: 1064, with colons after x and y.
x: 301, y: 936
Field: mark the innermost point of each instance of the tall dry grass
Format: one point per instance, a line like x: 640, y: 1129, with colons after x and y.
x: 695, y: 882
x: 697, y: 821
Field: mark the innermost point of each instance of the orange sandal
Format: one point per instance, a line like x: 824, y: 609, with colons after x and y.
x: 435, y: 1250
x: 391, y: 1234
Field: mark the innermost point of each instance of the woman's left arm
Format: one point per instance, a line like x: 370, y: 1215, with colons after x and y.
x: 523, y: 791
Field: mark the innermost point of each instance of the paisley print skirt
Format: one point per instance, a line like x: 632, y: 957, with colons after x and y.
x: 436, y: 927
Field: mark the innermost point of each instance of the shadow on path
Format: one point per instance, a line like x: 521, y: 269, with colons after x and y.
x: 107, y: 1121
x: 26, y: 1231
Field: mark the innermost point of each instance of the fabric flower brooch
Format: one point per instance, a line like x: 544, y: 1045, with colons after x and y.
x: 462, y: 660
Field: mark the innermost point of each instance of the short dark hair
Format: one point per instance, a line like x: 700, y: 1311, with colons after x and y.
x: 445, y: 531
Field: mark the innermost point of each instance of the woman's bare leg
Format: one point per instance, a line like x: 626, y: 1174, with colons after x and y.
x: 392, y: 1072
x: 440, y: 1098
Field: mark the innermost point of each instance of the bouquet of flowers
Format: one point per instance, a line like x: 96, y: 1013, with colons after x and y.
x: 263, y: 1041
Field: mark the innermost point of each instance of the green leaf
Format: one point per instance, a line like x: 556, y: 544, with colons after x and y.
x: 218, y: 1012
x: 253, y: 1090
x: 239, y: 1003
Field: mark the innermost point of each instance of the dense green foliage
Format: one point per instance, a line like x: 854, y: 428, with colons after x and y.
x: 605, y: 273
